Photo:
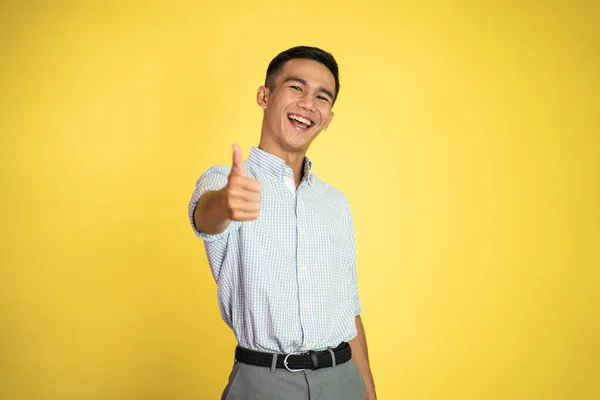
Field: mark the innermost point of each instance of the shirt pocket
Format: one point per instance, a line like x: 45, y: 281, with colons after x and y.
x: 332, y: 244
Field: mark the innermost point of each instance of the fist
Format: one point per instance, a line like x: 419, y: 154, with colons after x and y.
x: 241, y: 197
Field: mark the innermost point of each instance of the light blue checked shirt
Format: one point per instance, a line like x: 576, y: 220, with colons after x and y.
x: 286, y: 281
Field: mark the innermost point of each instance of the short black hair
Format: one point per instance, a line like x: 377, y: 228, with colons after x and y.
x: 303, y: 52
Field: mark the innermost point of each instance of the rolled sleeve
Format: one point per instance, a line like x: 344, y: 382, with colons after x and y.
x: 214, y: 178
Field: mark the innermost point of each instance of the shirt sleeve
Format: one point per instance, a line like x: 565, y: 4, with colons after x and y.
x: 351, y: 259
x: 215, y: 178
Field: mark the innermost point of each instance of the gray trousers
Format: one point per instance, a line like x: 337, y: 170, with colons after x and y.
x: 249, y: 382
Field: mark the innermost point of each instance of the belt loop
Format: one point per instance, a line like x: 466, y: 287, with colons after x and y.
x: 332, y: 358
x: 315, y: 359
x: 274, y: 363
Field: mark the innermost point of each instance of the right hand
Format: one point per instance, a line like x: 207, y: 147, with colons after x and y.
x: 241, y: 196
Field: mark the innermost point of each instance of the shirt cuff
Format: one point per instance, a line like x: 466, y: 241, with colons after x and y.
x: 206, y: 236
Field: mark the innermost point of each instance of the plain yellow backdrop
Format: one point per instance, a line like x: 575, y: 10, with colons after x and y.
x: 466, y: 138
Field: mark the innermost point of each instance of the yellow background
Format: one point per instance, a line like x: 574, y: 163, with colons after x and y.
x: 466, y: 138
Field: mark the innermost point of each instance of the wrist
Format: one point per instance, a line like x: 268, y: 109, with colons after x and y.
x: 220, y: 203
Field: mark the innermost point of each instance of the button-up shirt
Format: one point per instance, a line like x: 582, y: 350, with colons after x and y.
x: 287, y: 280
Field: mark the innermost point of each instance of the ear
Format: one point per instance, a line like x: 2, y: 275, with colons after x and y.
x: 328, y: 122
x: 262, y: 97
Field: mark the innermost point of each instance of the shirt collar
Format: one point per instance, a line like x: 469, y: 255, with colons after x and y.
x: 274, y: 165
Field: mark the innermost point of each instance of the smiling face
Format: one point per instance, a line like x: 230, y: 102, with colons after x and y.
x: 297, y: 107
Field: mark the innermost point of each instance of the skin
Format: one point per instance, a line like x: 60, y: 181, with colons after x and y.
x: 304, y: 88
x: 360, y: 356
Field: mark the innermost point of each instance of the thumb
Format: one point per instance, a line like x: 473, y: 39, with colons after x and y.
x: 237, y: 168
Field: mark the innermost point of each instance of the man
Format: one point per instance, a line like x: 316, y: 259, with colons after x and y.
x: 281, y: 247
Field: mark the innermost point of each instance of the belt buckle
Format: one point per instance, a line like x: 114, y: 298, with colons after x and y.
x: 285, y: 363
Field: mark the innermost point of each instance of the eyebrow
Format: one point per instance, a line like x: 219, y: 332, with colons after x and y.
x: 303, y: 81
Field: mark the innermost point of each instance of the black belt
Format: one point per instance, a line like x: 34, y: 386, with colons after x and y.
x: 296, y: 361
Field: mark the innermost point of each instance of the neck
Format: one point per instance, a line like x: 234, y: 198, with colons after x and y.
x: 293, y: 159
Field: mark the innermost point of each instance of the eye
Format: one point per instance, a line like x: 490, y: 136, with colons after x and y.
x: 296, y: 88
x: 323, y: 98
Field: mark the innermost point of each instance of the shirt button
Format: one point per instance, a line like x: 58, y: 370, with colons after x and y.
x: 303, y: 268
x: 308, y: 345
x: 302, y: 231
x: 306, y: 306
x: 274, y: 179
x: 288, y: 170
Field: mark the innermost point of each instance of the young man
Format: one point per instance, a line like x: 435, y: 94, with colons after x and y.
x: 281, y: 247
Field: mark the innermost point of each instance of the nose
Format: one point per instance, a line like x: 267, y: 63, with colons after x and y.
x: 307, y: 102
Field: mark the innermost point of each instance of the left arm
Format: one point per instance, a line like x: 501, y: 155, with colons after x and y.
x: 360, y: 356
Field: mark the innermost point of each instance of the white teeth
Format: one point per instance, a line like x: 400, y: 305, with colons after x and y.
x: 300, y: 119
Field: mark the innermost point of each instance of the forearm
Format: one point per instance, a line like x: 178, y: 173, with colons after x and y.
x: 209, y: 215
x: 360, y: 356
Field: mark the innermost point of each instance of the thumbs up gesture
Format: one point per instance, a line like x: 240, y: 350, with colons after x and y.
x: 241, y: 196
